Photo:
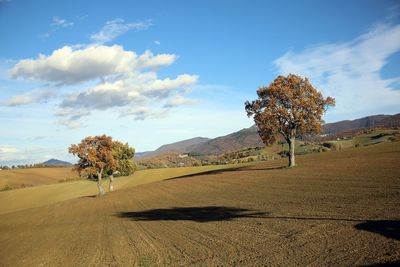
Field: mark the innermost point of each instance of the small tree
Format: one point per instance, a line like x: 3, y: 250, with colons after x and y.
x: 123, y: 154
x: 289, y: 107
x: 95, y: 157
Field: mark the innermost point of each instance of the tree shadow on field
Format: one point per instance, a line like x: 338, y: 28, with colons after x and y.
x: 197, y: 214
x: 89, y: 196
x: 385, y: 264
x: 212, y: 172
x: 386, y: 228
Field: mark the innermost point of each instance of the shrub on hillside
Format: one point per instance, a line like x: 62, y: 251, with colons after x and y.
x: 333, y: 145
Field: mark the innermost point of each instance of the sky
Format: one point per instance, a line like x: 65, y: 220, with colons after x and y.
x: 156, y: 72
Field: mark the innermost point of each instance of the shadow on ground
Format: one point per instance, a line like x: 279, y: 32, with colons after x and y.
x: 386, y: 264
x: 218, y: 213
x: 89, y: 196
x: 227, y: 170
x: 387, y: 228
x: 197, y: 214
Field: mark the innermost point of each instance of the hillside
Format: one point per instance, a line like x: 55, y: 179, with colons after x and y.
x: 316, y: 214
x: 247, y: 137
x: 391, y: 121
x: 351, y: 125
x: 182, y: 146
x: 177, y: 147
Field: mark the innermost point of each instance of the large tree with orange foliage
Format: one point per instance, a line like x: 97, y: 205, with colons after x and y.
x: 289, y: 107
x: 95, y: 157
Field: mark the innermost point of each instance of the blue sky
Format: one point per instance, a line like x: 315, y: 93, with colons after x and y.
x: 156, y: 72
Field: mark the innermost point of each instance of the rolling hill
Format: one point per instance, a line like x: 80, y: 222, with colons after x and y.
x: 249, y: 137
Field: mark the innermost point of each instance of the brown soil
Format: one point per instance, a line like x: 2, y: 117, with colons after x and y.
x: 334, y: 209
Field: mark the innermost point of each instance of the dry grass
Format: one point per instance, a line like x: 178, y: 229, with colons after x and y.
x: 335, y: 209
x: 19, y: 178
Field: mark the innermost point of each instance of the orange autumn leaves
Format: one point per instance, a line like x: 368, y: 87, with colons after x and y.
x: 290, y: 106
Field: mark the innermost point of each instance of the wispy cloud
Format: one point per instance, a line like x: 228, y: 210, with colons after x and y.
x: 179, y: 100
x: 116, y: 27
x: 35, y: 96
x: 82, y: 17
x: 351, y: 72
x: 145, y: 112
x: 56, y: 24
x: 59, y: 22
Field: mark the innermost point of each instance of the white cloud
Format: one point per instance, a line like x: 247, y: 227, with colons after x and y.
x: 179, y: 100
x: 143, y: 90
x: 124, y: 80
x: 114, y: 28
x: 137, y: 88
x: 351, y: 72
x: 35, y: 96
x: 157, y: 42
x: 59, y: 22
x: 69, y: 65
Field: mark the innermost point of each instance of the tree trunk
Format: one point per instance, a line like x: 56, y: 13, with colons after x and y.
x: 291, y: 152
x: 100, y: 183
x: 111, y: 182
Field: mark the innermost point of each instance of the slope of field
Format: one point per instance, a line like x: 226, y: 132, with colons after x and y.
x: 17, y: 178
x: 335, y: 209
x: 26, y: 198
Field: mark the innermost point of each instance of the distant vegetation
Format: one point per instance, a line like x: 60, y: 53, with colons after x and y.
x: 280, y: 149
x: 207, y: 150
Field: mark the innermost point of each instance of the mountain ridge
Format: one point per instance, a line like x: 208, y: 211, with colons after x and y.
x: 57, y: 162
x: 176, y: 147
x: 249, y: 137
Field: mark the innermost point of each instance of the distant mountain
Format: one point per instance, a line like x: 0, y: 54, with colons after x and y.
x: 182, y: 146
x: 57, y: 162
x: 366, y: 122
x: 391, y: 121
x: 142, y: 154
x: 177, y: 147
x: 247, y: 137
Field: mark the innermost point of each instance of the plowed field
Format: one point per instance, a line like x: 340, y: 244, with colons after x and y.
x: 334, y: 209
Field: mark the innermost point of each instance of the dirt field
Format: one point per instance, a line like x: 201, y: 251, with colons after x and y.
x: 32, y: 197
x: 335, y: 209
